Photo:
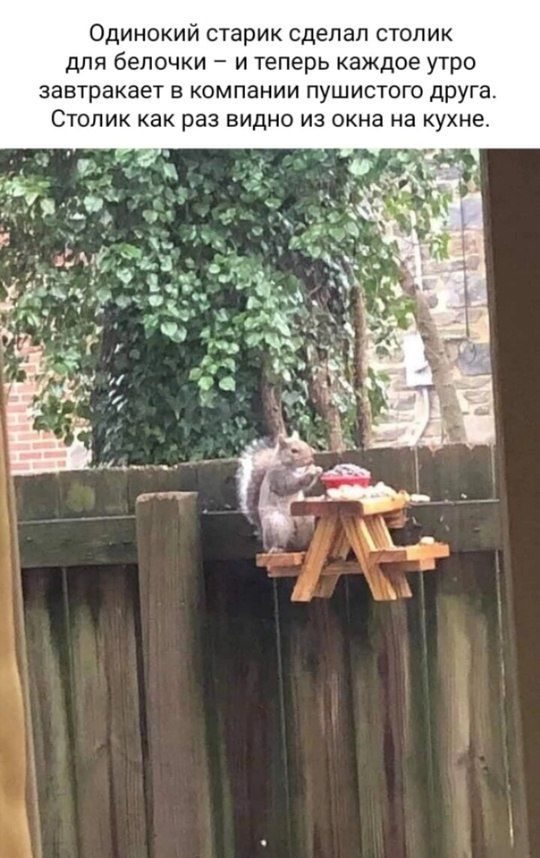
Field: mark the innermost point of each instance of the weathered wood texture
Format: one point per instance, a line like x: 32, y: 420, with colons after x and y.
x: 85, y: 689
x: 49, y: 680
x: 19, y: 817
x: 466, y: 681
x: 171, y: 592
x: 339, y: 729
x: 106, y: 721
x: 110, y: 541
x: 247, y: 732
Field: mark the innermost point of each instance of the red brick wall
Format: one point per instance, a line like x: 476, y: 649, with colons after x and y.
x: 30, y: 451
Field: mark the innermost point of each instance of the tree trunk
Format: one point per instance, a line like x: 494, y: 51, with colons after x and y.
x: 99, y: 396
x: 362, y: 403
x: 320, y: 386
x: 451, y: 414
x: 271, y: 406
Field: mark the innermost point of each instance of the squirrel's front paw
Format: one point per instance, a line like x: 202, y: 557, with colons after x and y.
x: 316, y: 471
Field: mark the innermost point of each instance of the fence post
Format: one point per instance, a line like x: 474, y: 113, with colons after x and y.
x: 171, y: 604
x: 19, y: 817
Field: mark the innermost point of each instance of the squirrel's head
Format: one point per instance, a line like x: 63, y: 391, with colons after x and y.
x: 294, y: 452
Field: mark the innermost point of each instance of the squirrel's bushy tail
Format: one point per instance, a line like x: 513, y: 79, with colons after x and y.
x: 254, y: 462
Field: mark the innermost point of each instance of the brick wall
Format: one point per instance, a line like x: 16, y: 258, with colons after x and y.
x: 30, y: 451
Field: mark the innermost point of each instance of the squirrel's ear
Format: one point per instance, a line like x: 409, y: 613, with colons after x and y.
x: 282, y: 441
x: 295, y: 436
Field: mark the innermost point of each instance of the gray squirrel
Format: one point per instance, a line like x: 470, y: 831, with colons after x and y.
x: 272, y: 475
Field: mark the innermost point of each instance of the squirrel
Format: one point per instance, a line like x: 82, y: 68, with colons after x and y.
x: 272, y: 475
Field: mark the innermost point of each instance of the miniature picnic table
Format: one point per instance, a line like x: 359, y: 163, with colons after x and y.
x: 363, y: 528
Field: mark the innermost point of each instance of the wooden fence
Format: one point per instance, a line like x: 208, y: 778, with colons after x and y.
x: 187, y: 709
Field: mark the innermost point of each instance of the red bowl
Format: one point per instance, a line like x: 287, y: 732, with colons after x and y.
x: 334, y: 481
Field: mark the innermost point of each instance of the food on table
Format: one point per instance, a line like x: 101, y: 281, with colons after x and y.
x: 351, y: 482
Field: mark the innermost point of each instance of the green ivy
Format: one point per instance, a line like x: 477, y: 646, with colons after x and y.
x: 159, y: 283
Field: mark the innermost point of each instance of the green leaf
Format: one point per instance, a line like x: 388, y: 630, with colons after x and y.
x: 227, y: 383
x: 48, y: 206
x: 359, y: 167
x: 180, y: 335
x: 125, y: 275
x: 206, y: 382
x: 169, y: 328
x: 130, y: 251
x: 93, y: 204
x: 155, y: 299
x: 104, y: 294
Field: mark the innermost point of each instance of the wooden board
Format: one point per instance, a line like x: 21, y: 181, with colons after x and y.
x: 323, y: 785
x: 467, y: 680
x: 329, y: 508
x: 450, y: 472
x: 428, y: 551
x: 340, y: 549
x: 308, y: 579
x: 18, y: 790
x: 350, y: 567
x: 107, y: 730
x: 50, y: 695
x: 467, y: 693
x: 272, y: 561
x: 391, y: 724
x: 101, y: 541
x: 381, y: 538
x: 380, y: 585
x: 331, y: 570
x: 171, y: 590
x: 246, y: 728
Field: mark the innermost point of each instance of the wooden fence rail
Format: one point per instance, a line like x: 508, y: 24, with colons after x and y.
x: 185, y: 708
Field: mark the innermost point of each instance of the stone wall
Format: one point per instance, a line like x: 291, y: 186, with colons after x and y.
x: 456, y: 292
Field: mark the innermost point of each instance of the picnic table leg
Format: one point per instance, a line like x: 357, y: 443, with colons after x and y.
x: 361, y: 542
x: 339, y: 551
x: 316, y: 556
x: 382, y: 539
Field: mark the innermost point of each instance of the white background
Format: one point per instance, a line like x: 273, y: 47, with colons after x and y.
x: 37, y: 39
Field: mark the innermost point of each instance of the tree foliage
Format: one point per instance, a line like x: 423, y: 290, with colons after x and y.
x: 166, y: 286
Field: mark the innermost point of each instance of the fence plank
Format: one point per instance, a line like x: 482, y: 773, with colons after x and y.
x: 100, y: 491
x: 50, y: 695
x: 395, y: 466
x: 46, y: 496
x: 110, y: 541
x: 391, y: 717
x: 471, y: 778
x: 465, y: 676
x: 456, y: 472
x: 109, y: 767
x: 247, y: 739
x: 170, y: 578
x: 319, y: 723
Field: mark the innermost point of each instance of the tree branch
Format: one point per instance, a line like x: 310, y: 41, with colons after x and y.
x: 359, y: 321
x: 271, y: 406
x: 451, y: 414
